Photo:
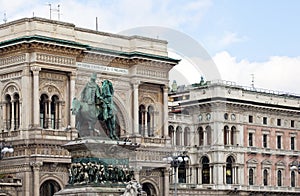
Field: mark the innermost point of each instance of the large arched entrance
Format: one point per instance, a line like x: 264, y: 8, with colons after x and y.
x: 149, y: 189
x: 49, y: 187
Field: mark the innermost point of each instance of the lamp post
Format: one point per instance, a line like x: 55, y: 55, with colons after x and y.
x: 4, y: 149
x: 175, y: 162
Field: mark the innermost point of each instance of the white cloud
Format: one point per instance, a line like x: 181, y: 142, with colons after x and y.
x: 223, y: 41
x: 279, y: 73
x: 113, y: 16
x: 230, y: 38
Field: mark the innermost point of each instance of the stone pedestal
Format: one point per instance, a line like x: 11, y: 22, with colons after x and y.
x: 91, y: 191
x: 100, y: 166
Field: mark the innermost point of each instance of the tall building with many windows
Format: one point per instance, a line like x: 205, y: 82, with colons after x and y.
x: 240, y: 140
x: 237, y: 140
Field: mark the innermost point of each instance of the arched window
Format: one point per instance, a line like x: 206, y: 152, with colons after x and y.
x: 265, y: 177
x: 208, y: 135
x: 201, y: 136
x: 55, y: 118
x: 226, y: 135
x: 205, y: 170
x: 251, y: 176
x: 44, y: 117
x: 16, y: 111
x: 186, y: 135
x: 293, y: 179
x: 49, y: 187
x: 182, y: 172
x: 142, y: 120
x: 279, y: 178
x: 171, y: 134
x: 150, y: 121
x: 178, y: 135
x: 149, y: 188
x: 8, y: 112
x: 229, y: 176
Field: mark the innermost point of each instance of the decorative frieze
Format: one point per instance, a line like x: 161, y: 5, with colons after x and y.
x: 10, y: 75
x: 152, y: 73
x: 55, y: 59
x: 12, y: 59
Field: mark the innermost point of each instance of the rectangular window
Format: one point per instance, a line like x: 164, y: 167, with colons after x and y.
x: 278, y: 122
x: 292, y: 143
x: 250, y: 139
x: 292, y: 123
x: 265, y: 120
x: 279, y: 141
x: 250, y: 119
x: 265, y: 140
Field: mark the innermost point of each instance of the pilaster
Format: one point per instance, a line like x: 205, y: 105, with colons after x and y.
x: 35, y: 70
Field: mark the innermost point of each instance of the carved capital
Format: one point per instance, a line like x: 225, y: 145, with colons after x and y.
x: 73, y: 75
x: 165, y: 88
x: 135, y: 83
x: 36, y: 165
x: 35, y: 70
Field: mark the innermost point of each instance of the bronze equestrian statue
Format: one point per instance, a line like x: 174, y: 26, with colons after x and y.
x: 95, y: 104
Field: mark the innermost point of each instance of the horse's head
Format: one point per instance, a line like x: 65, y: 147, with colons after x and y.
x: 76, y: 106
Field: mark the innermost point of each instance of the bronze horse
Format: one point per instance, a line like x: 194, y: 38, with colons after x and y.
x: 102, y: 110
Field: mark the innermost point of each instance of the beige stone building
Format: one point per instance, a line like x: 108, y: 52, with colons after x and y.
x: 44, y: 64
x: 239, y: 141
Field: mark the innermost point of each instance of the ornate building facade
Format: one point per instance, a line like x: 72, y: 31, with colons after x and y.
x: 238, y: 140
x: 44, y: 65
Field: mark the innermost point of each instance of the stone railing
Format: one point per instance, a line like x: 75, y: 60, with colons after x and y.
x: 180, y: 117
x: 38, y: 134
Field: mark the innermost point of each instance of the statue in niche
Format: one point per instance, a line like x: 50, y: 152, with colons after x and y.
x: 95, y: 104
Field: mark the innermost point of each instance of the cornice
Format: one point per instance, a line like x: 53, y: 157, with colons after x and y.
x: 38, y: 42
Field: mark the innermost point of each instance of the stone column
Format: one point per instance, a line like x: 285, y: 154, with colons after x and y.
x: 218, y: 133
x: 56, y: 115
x: 204, y: 138
x: 187, y: 178
x: 13, y: 123
x: 72, y: 95
x: 137, y: 174
x: 18, y: 116
x: 4, y: 106
x: 49, y: 117
x: 145, y: 125
x: 166, y: 181
x: 26, y: 106
x: 224, y: 174
x: 135, y: 108
x: 200, y: 175
x: 27, y: 180
x: 193, y: 175
x: 165, y: 112
x: 229, y: 132
x: 36, y: 177
x: 233, y: 175
x: 18, y: 113
x: 36, y: 105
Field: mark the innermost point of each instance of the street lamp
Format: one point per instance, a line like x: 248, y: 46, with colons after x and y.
x: 4, y: 149
x: 175, y: 162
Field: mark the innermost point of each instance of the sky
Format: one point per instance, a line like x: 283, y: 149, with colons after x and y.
x: 245, y: 39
